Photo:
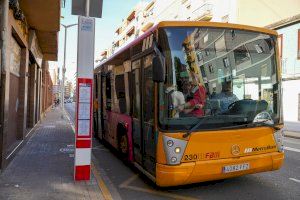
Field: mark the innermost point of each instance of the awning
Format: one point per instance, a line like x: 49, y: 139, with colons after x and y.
x: 118, y: 31
x: 149, y: 5
x: 131, y: 16
x: 147, y: 26
x: 104, y: 53
x: 130, y: 31
x: 44, y: 18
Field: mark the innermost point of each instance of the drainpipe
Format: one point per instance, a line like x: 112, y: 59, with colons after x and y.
x: 3, y: 29
x: 3, y: 64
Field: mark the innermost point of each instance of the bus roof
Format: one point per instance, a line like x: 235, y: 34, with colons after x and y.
x: 126, y: 49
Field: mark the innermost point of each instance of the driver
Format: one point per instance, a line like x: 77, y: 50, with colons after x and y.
x: 226, y: 97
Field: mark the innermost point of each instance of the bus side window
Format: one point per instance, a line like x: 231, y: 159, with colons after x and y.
x: 108, y: 92
x: 128, y: 91
x: 120, y: 92
x: 135, y: 86
x: 148, y: 100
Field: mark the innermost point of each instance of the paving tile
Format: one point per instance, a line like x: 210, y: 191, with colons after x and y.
x: 43, y: 168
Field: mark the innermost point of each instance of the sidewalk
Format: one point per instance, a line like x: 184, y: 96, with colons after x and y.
x: 43, y: 168
x: 292, y: 129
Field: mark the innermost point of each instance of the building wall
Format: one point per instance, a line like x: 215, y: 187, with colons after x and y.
x: 21, y: 87
x: 265, y: 12
x: 290, y: 94
x: 15, y: 86
x: 290, y: 62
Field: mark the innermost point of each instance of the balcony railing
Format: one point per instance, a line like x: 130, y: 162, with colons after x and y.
x: 203, y: 13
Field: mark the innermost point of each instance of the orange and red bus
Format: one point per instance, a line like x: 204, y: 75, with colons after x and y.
x: 189, y: 102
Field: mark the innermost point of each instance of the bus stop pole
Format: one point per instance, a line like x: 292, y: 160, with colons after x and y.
x: 84, y: 114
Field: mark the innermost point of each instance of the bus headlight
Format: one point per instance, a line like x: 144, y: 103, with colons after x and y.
x: 263, y: 117
x: 278, y: 136
x: 174, y: 149
x: 177, y: 150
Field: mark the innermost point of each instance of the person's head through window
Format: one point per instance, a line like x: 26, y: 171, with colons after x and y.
x: 187, y: 89
x: 227, y: 87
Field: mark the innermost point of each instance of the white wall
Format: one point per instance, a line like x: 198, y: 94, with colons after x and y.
x: 291, y: 89
x: 290, y: 63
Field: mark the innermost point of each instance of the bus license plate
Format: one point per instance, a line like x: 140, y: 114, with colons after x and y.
x: 236, y: 168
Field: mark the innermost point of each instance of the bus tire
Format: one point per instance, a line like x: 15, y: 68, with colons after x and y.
x: 122, y: 141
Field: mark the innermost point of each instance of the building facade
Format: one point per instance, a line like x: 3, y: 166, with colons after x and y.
x: 289, y: 42
x: 29, y: 40
x: 268, y: 13
x: 68, y: 89
x: 146, y: 14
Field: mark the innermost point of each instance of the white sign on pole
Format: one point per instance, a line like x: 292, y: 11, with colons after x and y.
x: 86, y: 46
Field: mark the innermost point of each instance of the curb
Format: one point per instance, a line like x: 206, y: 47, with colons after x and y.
x: 291, y: 134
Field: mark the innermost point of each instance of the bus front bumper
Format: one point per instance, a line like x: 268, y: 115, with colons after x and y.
x: 200, y: 171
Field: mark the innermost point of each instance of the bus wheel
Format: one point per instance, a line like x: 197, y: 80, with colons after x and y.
x: 123, y: 145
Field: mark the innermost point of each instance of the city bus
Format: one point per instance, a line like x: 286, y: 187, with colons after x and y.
x: 189, y: 102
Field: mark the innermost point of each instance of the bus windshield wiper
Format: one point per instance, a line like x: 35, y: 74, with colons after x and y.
x: 262, y: 123
x: 203, y: 119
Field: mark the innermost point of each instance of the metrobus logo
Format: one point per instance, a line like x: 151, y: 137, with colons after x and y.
x: 248, y: 150
x: 255, y: 149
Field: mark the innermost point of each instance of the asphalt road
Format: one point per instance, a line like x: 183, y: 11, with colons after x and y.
x: 125, y: 182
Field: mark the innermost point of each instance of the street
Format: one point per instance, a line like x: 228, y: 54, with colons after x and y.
x: 125, y: 182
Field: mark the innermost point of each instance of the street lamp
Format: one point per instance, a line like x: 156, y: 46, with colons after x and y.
x: 64, y: 66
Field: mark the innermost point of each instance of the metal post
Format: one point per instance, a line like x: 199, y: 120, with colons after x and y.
x: 3, y: 31
x: 87, y: 8
x: 63, y: 73
x: 64, y: 67
x: 4, y: 19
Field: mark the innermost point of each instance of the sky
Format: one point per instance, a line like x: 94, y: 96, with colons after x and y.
x: 113, y: 13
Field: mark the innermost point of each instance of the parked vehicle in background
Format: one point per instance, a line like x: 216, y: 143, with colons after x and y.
x: 189, y: 102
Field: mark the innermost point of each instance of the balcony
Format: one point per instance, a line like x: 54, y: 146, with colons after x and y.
x: 44, y: 17
x: 203, y: 13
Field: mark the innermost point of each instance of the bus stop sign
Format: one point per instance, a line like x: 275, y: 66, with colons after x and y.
x: 95, y: 8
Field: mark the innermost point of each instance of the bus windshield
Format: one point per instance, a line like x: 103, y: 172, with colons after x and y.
x: 225, y: 77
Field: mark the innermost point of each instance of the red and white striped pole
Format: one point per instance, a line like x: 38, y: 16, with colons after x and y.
x: 84, y: 114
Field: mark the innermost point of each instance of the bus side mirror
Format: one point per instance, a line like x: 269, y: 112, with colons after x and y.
x: 158, y: 69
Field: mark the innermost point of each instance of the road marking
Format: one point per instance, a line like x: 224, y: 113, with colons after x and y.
x: 70, y: 121
x: 101, y: 183
x: 296, y: 180
x: 292, y: 149
x: 126, y: 185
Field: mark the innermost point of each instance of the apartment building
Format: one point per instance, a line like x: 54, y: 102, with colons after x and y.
x: 29, y: 30
x: 262, y: 13
x: 144, y: 15
x: 68, y: 89
x: 289, y: 43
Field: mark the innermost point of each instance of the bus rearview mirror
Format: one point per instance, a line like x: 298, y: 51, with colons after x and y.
x: 158, y: 69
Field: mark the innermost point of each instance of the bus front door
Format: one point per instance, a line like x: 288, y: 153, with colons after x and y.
x: 149, y: 143
x: 144, y: 145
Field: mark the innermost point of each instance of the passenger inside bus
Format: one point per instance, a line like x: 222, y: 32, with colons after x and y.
x: 195, y: 100
x: 176, y: 98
